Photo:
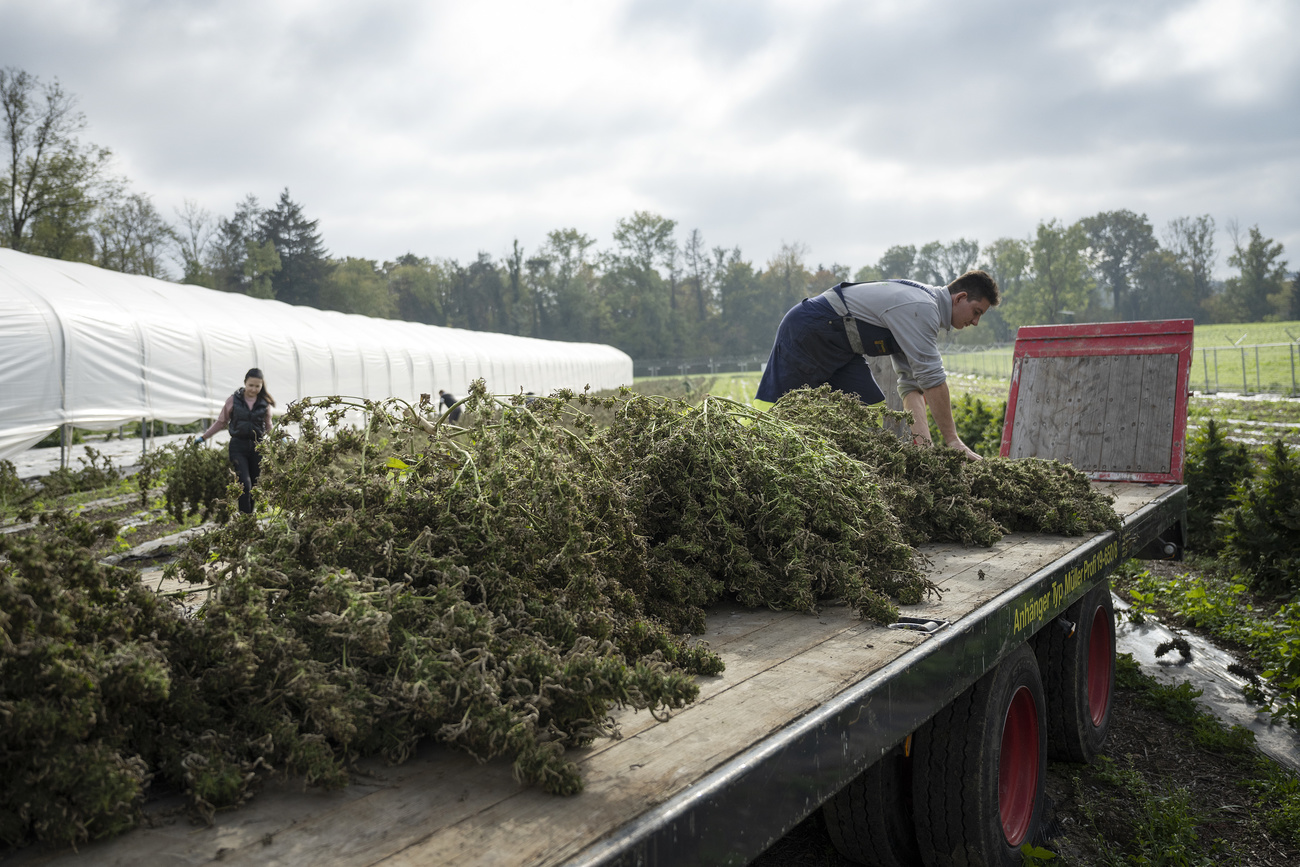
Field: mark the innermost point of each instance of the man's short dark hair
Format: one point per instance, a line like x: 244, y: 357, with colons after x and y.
x: 979, y: 285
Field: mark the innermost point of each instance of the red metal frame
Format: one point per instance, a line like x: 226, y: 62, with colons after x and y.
x: 1156, y: 337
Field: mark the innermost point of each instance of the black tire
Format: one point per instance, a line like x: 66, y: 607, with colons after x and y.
x: 1079, y: 676
x: 993, y: 732
x: 869, y: 821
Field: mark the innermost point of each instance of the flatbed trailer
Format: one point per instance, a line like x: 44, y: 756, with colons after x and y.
x: 926, y: 739
x: 806, y: 703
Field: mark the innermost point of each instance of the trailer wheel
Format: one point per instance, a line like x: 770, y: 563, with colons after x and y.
x: 870, y: 820
x: 1079, y: 676
x: 980, y: 767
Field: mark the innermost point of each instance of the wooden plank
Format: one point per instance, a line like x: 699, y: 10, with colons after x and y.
x: 1156, y: 414
x: 1123, y: 400
x: 1087, y: 428
x: 1098, y: 413
x: 882, y: 370
x: 652, y: 766
x: 1024, y: 438
x: 1002, y: 566
x: 1055, y: 409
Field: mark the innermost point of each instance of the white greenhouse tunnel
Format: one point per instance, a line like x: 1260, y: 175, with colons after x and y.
x: 97, y: 349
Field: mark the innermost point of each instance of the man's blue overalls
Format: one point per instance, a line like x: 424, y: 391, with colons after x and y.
x: 814, y: 346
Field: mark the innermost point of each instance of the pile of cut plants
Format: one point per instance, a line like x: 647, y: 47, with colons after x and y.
x: 499, y: 587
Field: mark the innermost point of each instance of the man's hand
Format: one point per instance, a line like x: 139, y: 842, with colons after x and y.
x: 940, y: 405
x: 965, y: 450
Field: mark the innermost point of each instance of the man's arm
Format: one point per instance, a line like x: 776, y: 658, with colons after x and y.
x: 940, y: 404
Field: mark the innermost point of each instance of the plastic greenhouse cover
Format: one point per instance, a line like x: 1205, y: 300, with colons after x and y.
x: 97, y: 349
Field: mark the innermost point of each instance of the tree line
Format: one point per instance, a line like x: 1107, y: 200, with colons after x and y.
x: 654, y: 293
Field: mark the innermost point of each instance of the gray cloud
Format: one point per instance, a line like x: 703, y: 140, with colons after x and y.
x: 445, y: 129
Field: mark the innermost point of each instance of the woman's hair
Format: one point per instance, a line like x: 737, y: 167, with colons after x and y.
x: 256, y: 373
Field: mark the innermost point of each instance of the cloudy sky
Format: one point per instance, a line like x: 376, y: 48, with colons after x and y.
x: 446, y: 128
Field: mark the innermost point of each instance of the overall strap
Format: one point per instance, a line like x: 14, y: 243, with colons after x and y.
x: 850, y: 324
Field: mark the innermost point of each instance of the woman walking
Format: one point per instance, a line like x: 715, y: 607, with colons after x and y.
x: 248, y: 414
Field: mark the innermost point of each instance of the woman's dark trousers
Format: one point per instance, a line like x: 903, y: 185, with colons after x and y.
x: 248, y: 466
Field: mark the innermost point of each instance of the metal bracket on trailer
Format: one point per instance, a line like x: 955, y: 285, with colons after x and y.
x: 924, y: 625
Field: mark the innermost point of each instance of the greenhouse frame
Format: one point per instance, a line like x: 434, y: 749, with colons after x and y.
x: 96, y: 349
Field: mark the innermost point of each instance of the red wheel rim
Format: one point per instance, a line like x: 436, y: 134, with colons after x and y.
x: 1099, y: 666
x: 1018, y: 767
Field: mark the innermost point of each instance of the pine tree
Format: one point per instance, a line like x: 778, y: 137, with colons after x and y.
x: 304, y: 262
x: 1263, y: 528
x: 1215, y: 467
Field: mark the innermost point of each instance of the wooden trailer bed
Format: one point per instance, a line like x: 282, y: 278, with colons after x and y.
x: 805, y: 703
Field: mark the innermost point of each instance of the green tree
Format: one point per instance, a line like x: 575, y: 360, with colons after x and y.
x: 193, y: 236
x: 637, y: 312
x: 419, y: 289
x: 261, y: 264
x: 1260, y: 292
x: 477, y: 295
x: 939, y: 264
x: 868, y: 274
x: 1262, y: 534
x: 696, y: 257
x: 644, y: 239
x: 229, y: 247
x: 132, y: 237
x: 1191, y: 239
x: 1165, y: 287
x: 747, y: 318
x: 304, y: 264
x: 787, y: 280
x: 50, y: 183
x: 1215, y: 467
x: 569, y: 307
x: 639, y: 302
x: 1060, y: 283
x: 517, y: 302
x: 1117, y: 243
x: 357, y: 286
x: 1008, y: 261
x: 827, y: 276
x: 897, y: 262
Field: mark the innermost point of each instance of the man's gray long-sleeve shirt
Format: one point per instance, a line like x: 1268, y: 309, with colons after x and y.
x: 914, y: 313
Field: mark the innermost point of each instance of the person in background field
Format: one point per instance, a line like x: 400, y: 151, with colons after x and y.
x: 248, y: 414
x: 825, y: 340
x: 448, y: 399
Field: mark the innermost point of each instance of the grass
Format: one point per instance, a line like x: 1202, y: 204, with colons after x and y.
x: 1248, y: 358
x: 1196, y: 806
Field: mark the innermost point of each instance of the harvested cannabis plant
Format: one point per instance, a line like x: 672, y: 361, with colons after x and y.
x: 499, y: 587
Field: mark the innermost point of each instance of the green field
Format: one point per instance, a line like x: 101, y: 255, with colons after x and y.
x: 1250, y: 358
x: 1246, y: 332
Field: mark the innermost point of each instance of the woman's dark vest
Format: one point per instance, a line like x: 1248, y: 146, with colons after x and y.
x: 245, y: 423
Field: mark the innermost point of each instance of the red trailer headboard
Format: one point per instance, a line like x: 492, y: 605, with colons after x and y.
x: 1108, y: 398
